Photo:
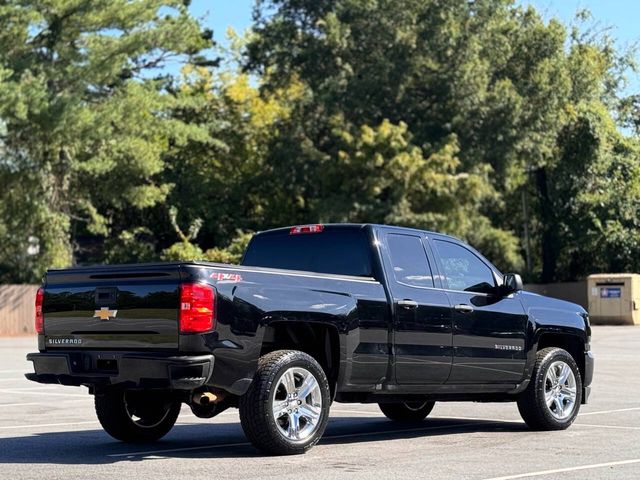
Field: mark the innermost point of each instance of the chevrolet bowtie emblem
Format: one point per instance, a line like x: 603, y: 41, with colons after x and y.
x: 104, y: 313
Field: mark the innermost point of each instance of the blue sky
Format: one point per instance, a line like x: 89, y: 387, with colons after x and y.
x: 621, y: 16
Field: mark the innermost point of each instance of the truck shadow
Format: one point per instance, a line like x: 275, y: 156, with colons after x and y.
x: 218, y: 440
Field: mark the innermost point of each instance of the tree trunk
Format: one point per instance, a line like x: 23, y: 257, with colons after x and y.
x: 550, y: 240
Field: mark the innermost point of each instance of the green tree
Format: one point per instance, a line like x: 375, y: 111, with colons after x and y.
x: 506, y: 85
x: 227, y: 178
x: 474, y: 118
x: 426, y: 64
x: 84, y: 123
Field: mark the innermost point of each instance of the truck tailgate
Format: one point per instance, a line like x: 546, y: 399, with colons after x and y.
x: 118, y: 307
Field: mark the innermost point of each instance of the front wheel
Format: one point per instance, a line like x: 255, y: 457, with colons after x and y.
x: 552, y: 399
x: 136, y: 416
x: 407, y: 411
x: 286, y: 409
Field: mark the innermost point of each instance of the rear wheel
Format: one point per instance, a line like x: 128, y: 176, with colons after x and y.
x: 407, y: 411
x: 286, y: 409
x: 552, y: 399
x: 136, y: 416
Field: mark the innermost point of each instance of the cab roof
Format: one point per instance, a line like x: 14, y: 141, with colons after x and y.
x: 280, y: 230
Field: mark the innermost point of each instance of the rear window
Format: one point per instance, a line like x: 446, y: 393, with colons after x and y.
x: 339, y: 251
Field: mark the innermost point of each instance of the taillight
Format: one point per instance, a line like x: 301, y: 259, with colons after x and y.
x: 317, y: 228
x: 39, y: 315
x: 197, y: 308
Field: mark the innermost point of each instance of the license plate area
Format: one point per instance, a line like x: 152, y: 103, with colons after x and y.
x: 106, y: 365
x: 106, y: 296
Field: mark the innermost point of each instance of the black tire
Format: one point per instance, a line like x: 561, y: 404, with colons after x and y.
x: 258, y: 421
x: 136, y: 416
x: 532, y: 403
x: 407, y: 411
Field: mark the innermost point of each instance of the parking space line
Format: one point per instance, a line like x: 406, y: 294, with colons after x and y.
x: 502, y: 420
x: 175, y: 450
x: 602, y: 412
x: 569, y: 469
x: 42, y: 386
x: 407, y: 430
x: 20, y: 391
x: 448, y: 417
x: 620, y: 427
x: 10, y: 427
x: 493, y: 420
x: 329, y: 437
x: 333, y: 410
x: 599, y: 412
x: 46, y: 404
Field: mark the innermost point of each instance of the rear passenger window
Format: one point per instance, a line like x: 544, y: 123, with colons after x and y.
x: 409, y: 260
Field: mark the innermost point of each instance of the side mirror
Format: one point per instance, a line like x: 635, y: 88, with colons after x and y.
x: 511, y: 283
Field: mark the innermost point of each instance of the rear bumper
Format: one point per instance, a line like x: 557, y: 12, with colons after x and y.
x: 131, y: 370
x: 589, y: 363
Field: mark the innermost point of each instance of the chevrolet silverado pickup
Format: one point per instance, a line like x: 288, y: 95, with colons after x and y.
x: 312, y: 315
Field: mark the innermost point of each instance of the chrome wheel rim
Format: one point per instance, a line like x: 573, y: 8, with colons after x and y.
x: 414, y: 406
x: 296, y: 404
x: 146, y: 416
x: 560, y: 391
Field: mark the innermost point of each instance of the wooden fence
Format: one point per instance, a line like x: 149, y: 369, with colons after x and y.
x: 17, y: 309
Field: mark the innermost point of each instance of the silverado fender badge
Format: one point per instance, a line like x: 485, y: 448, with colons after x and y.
x: 226, y: 277
x: 516, y: 348
x: 104, y: 313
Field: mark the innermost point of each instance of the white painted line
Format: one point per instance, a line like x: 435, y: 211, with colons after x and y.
x: 330, y: 437
x: 93, y: 422
x: 46, y: 404
x: 13, y: 371
x: 407, y: 430
x: 447, y: 417
x: 12, y: 379
x: 19, y: 391
x: 501, y: 420
x: 599, y: 412
x: 361, y: 412
x: 50, y: 394
x: 569, y: 469
x: 618, y: 427
x: 602, y: 412
x: 184, y: 449
x: 493, y: 420
x: 48, y: 387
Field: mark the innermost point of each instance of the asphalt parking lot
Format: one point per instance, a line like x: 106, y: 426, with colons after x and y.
x: 52, y: 432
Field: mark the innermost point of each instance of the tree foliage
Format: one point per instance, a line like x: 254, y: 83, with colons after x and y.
x: 479, y: 119
x: 507, y: 86
x: 84, y: 129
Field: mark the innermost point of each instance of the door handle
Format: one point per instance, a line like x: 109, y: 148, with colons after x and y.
x: 406, y: 303
x: 464, y: 308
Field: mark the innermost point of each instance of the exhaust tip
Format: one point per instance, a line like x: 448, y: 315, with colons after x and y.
x: 204, y: 398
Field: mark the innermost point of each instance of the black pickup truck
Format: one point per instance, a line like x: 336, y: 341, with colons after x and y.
x: 314, y: 314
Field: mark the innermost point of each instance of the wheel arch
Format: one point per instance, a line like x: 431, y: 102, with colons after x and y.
x: 571, y: 341
x: 320, y: 340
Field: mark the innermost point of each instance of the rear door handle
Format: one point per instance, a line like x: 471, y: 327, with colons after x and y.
x: 464, y: 308
x: 406, y: 303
